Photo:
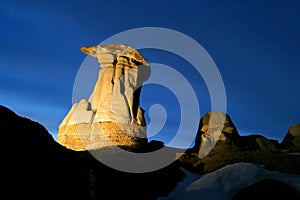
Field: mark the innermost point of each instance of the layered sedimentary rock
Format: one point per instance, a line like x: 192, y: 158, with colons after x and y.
x: 112, y: 115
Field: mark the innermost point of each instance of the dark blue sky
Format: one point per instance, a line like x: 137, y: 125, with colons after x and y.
x: 255, y: 45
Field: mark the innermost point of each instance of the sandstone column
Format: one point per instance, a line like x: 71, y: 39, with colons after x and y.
x: 114, y: 114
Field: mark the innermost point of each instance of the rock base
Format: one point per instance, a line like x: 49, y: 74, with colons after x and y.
x: 85, y: 136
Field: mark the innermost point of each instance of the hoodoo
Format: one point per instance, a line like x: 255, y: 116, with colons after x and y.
x: 112, y: 115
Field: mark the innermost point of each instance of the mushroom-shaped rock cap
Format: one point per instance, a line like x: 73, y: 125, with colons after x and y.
x: 113, y: 51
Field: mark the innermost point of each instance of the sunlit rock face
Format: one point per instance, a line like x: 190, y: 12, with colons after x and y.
x: 291, y: 141
x: 112, y: 115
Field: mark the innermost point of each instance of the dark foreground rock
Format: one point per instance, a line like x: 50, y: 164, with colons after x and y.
x: 34, y: 166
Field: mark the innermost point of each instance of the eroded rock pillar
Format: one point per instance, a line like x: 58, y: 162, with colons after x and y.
x: 117, y: 118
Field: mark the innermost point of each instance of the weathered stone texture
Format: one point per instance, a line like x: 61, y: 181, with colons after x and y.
x: 112, y: 114
x: 117, y: 91
x: 72, y: 136
x: 214, y: 127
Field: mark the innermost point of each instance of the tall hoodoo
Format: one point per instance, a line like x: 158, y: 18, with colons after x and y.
x: 112, y: 115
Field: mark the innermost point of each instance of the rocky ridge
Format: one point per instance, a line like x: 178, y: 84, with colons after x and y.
x: 37, y: 160
x: 228, y: 147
